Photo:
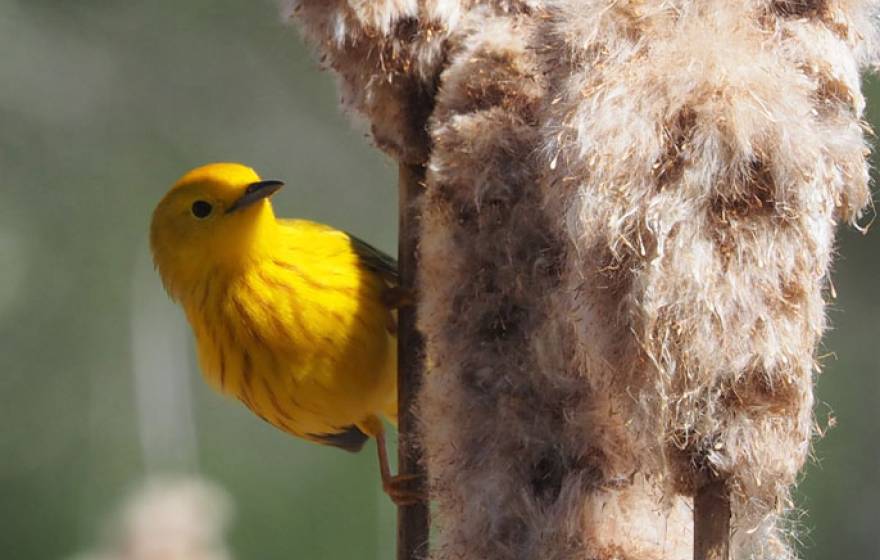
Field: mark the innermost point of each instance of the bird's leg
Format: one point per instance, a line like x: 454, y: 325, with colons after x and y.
x: 397, y: 487
x: 395, y: 297
x: 391, y: 322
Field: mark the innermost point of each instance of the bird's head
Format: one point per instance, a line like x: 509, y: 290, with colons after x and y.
x: 215, y: 218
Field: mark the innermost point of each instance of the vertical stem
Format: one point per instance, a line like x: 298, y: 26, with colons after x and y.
x: 412, y: 520
x: 712, y: 522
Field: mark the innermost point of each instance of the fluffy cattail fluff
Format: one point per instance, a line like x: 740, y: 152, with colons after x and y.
x: 626, y: 235
x: 388, y: 55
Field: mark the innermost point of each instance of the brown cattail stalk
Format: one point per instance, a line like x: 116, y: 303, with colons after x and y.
x: 712, y: 522
x: 412, y: 520
x: 627, y: 226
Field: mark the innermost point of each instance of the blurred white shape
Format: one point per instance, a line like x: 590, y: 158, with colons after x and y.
x: 160, y: 355
x: 170, y: 519
x: 13, y: 263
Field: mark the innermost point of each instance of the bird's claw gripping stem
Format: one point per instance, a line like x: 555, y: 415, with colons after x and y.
x: 403, y: 489
x: 400, y: 489
x: 395, y: 297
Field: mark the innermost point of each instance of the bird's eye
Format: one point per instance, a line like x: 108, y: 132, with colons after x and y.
x: 201, y: 209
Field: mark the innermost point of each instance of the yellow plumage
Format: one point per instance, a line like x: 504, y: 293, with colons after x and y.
x: 291, y: 317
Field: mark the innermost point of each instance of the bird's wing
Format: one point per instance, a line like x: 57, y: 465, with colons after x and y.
x: 375, y: 260
x: 371, y: 258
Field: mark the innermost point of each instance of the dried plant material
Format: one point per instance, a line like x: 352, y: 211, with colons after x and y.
x: 627, y: 230
x: 709, y: 153
x: 388, y: 55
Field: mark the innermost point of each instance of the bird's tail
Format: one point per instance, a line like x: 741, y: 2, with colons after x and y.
x: 350, y: 438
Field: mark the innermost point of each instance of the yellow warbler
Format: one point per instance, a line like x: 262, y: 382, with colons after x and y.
x: 291, y: 317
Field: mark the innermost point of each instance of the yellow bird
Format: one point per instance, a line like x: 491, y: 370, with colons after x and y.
x: 293, y: 318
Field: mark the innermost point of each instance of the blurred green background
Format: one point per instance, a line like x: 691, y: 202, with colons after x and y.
x: 103, y: 104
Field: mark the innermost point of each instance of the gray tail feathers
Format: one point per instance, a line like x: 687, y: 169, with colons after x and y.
x: 350, y: 439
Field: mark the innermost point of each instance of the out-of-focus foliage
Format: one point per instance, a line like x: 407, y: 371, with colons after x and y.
x: 103, y: 105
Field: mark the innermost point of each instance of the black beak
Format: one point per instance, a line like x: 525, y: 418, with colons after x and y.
x: 255, y: 192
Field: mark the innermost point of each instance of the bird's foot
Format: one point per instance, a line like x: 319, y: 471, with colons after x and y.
x: 395, y: 297
x: 405, y: 489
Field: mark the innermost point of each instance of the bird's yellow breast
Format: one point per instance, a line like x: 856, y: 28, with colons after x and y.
x: 300, y: 333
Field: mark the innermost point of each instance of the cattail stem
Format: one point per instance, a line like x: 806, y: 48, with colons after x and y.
x: 712, y: 522
x: 412, y: 520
